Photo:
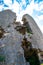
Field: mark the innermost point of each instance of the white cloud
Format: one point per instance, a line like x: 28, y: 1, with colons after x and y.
x: 16, y: 7
x: 41, y: 6
x: 40, y: 17
x: 1, y: 7
x: 38, y: 6
x: 23, y: 2
x: 8, y: 2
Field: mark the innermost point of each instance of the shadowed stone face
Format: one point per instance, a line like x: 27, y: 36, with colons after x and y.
x: 1, y: 32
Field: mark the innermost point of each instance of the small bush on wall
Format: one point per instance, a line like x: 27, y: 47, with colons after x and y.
x: 2, y: 58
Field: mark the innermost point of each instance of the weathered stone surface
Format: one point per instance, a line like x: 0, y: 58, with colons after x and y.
x: 12, y: 42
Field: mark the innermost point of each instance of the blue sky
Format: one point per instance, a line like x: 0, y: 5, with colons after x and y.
x: 21, y: 7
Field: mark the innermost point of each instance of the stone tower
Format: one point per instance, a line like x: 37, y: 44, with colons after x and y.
x: 37, y: 37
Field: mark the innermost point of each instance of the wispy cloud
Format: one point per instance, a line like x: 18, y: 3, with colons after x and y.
x: 15, y: 7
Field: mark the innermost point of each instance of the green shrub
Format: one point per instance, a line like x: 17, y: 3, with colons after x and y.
x: 2, y: 58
